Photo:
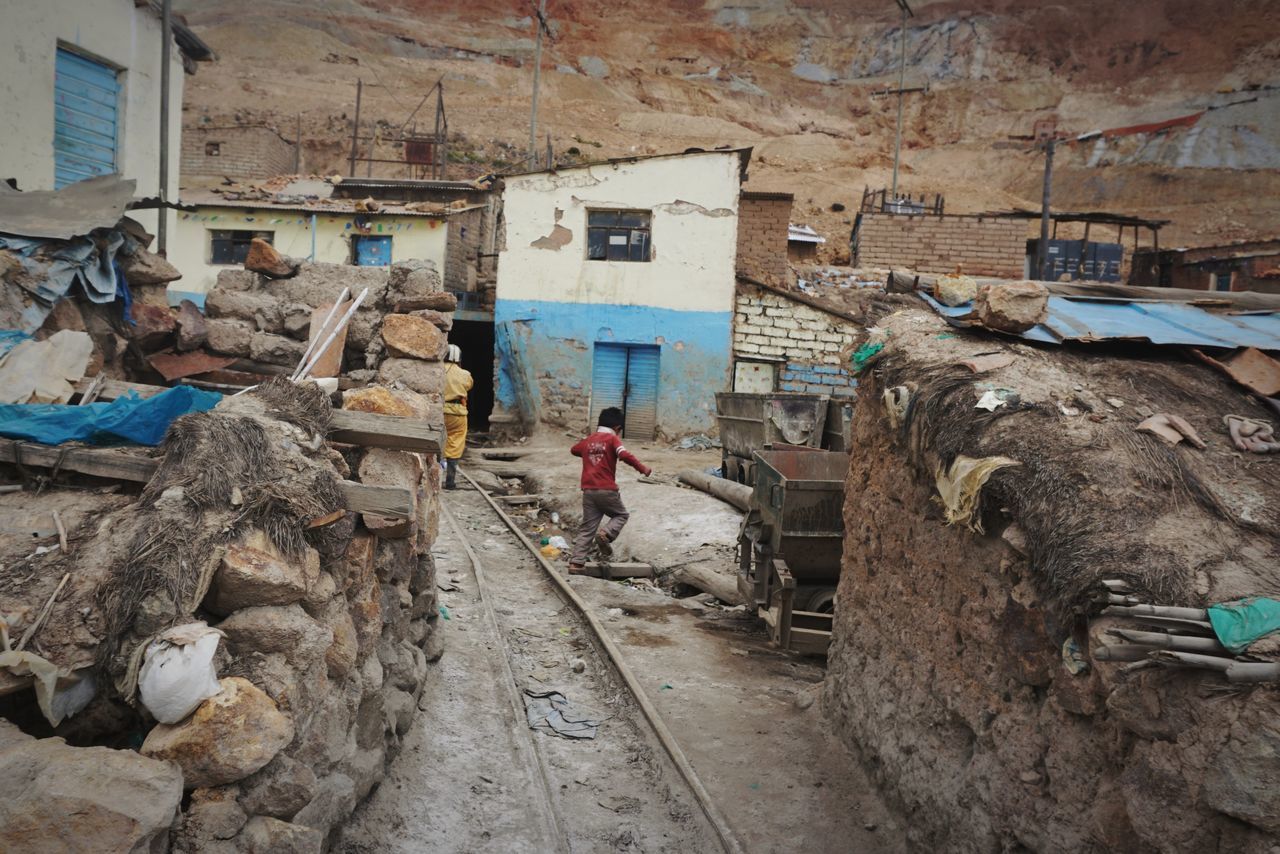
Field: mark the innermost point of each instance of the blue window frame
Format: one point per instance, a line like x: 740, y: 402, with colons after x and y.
x: 86, y: 126
x: 372, y: 250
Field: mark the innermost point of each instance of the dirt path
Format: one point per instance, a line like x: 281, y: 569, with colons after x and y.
x: 466, y: 784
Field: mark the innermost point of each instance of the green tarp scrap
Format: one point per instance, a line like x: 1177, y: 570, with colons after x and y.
x: 959, y: 486
x: 1238, y: 624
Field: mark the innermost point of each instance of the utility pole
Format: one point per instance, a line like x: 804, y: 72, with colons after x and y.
x: 162, y: 221
x: 1042, y: 256
x: 537, y: 76
x: 902, y: 79
x: 355, y: 131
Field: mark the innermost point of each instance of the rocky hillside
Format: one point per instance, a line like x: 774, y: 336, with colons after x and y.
x: 802, y: 81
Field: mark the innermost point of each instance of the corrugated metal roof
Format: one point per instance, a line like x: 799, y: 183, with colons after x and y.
x: 329, y: 207
x: 1180, y: 323
x: 804, y: 234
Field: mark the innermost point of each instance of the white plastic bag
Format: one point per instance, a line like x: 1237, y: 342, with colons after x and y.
x: 177, y: 672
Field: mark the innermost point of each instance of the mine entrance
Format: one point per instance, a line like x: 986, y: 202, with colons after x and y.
x: 475, y: 337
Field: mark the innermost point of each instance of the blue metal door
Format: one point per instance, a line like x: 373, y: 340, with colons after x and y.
x: 86, y: 98
x: 373, y: 251
x: 626, y: 376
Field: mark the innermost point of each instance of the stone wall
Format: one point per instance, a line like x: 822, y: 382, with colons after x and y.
x: 763, y: 220
x: 242, y: 153
x: 980, y: 246
x: 807, y: 342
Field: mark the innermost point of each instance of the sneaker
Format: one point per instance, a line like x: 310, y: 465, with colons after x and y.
x: 604, y: 546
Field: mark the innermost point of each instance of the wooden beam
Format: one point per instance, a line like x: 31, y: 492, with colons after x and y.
x: 392, y: 501
x: 367, y: 429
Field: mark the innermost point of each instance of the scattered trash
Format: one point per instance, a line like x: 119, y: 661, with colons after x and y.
x: 559, y: 542
x: 177, y: 672
x: 987, y: 362
x: 1172, y: 428
x: 1073, y: 658
x: 667, y: 686
x: 989, y: 401
x: 945, y: 336
x: 555, y: 518
x: 896, y: 402
x: 444, y: 612
x: 700, y: 442
x: 613, y: 613
x: 959, y: 486
x: 866, y: 354
x: 994, y: 397
x: 1068, y: 410
x: 577, y: 665
x: 550, y: 551
x: 551, y: 711
x: 1251, y: 434
x: 714, y: 471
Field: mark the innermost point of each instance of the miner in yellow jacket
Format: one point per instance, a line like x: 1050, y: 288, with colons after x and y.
x: 457, y: 382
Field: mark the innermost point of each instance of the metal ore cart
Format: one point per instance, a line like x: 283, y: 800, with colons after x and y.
x: 751, y: 422
x: 790, y: 544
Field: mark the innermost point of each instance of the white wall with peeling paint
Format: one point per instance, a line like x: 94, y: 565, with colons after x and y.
x: 694, y: 200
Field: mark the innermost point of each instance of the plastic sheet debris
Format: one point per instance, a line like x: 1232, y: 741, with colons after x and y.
x: 177, y: 672
x: 1251, y: 434
x: 43, y: 371
x: 1238, y: 624
x: 896, y: 402
x: 130, y: 418
x: 551, y: 711
x: 559, y: 542
x: 866, y: 354
x: 960, y: 485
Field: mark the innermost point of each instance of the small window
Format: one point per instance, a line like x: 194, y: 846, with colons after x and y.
x: 1222, y: 281
x: 232, y: 247
x: 213, y: 149
x: 618, y: 235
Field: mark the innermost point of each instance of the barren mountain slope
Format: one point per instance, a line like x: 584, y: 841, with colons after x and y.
x: 796, y: 79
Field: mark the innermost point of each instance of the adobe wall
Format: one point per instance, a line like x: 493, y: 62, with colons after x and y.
x: 243, y: 153
x: 763, y: 220
x: 990, y: 246
x: 806, y: 341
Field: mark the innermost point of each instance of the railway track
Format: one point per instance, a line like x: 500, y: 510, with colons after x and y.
x: 628, y: 788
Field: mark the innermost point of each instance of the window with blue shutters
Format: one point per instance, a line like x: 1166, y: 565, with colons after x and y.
x: 86, y: 126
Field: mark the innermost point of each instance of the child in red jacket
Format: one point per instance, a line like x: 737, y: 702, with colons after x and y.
x: 600, y: 453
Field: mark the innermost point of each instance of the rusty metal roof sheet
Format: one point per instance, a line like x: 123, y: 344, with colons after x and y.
x: 1086, y: 320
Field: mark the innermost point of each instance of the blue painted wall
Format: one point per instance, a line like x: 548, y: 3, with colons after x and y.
x: 553, y: 344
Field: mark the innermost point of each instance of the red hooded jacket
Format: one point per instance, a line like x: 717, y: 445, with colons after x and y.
x: 600, y: 453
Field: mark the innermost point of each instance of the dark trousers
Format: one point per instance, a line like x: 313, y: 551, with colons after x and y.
x: 596, y: 504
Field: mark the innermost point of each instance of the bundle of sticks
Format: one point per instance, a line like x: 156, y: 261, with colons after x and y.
x: 1184, y: 638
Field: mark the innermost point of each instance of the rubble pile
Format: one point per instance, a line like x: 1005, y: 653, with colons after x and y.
x: 229, y: 660
x: 1003, y: 498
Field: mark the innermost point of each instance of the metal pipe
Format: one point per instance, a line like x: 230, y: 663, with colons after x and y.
x: 324, y: 327
x: 313, y: 237
x: 346, y: 318
x: 297, y: 150
x: 162, y: 218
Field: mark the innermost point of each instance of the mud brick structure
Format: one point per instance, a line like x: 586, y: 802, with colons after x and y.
x: 980, y: 246
x: 763, y: 219
x: 236, y: 152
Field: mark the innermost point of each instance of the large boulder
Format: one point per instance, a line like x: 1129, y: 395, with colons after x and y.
x: 264, y: 835
x: 58, y: 798
x: 192, y: 331
x: 253, y: 572
x: 152, y: 326
x: 286, y: 629
x: 413, y: 337
x: 263, y: 258
x: 229, y: 335
x: 386, y: 467
x: 1013, y: 306
x: 442, y: 320
x: 380, y: 400
x: 263, y: 310
x: 226, y: 739
x: 144, y: 268
x: 409, y: 280
x: 280, y: 789
x: 275, y: 349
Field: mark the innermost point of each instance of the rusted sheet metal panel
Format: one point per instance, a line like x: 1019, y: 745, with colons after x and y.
x: 1072, y: 319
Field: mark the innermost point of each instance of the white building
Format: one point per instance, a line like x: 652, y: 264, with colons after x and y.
x: 80, y: 92
x: 616, y: 288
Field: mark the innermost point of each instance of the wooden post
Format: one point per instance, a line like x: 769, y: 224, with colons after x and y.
x: 355, y: 131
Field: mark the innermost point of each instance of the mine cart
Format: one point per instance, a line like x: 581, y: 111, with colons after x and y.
x: 753, y: 422
x: 790, y: 544
x: 837, y: 435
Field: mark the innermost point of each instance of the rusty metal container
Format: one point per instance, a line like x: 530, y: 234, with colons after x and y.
x: 748, y: 422
x: 800, y: 493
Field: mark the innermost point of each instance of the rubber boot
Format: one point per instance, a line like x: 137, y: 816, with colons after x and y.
x: 450, y: 474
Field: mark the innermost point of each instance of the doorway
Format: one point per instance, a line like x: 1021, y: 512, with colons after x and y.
x: 475, y: 338
x: 626, y: 376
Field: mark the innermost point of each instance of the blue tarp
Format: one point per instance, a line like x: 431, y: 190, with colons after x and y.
x: 1084, y: 319
x: 125, y: 419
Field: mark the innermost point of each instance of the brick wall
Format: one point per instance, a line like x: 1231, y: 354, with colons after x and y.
x: 763, y: 220
x: 992, y: 246
x: 809, y: 341
x: 251, y: 153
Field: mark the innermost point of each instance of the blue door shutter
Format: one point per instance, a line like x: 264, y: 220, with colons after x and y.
x: 642, y: 393
x: 86, y: 96
x: 608, y: 378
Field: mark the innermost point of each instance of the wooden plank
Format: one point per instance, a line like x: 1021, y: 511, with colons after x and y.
x: 372, y: 430
x: 809, y: 641
x: 367, y: 429
x: 619, y: 570
x: 329, y: 364
x: 521, y: 499
x: 391, y: 501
